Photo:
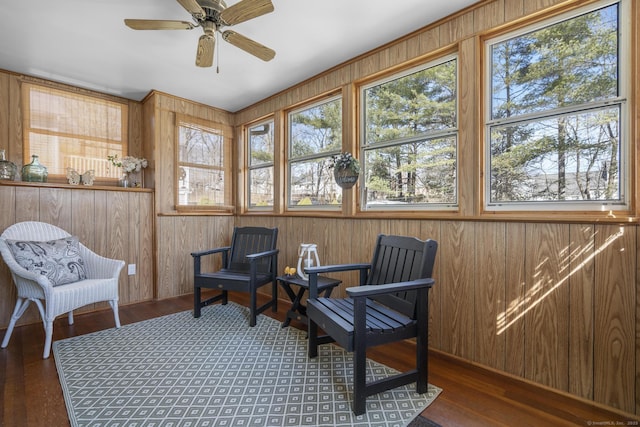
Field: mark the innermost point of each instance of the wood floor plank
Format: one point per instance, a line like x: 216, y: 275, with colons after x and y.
x: 472, y: 396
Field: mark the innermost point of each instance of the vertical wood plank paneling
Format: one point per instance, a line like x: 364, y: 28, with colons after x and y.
x: 27, y: 204
x: 146, y: 257
x: 118, y: 236
x: 5, y: 111
x: 55, y: 207
x: 513, y: 9
x: 489, y: 15
x: 165, y: 241
x: 511, y: 322
x: 101, y: 224
x: 456, y: 29
x: 468, y: 83
x: 489, y: 348
x: 546, y: 302
x: 185, y: 227
x: 429, y: 40
x: 582, y: 286
x: 133, y: 246
x: 458, y: 306
x: 82, y: 217
x: 7, y: 289
x: 614, y: 316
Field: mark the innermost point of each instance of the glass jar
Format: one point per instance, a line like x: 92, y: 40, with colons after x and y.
x: 7, y: 169
x: 34, y: 171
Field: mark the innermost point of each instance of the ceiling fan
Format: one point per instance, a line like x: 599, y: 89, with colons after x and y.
x: 211, y: 16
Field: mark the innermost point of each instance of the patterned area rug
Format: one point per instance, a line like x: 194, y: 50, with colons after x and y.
x: 217, y: 371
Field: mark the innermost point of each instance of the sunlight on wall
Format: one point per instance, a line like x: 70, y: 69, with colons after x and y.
x: 519, y: 307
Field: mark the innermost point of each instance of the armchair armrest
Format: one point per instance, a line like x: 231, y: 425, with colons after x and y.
x: 257, y: 256
x: 313, y: 273
x: 99, y: 267
x: 336, y: 268
x: 224, y: 250
x: 253, y: 262
x: 210, y: 251
x: 372, y: 290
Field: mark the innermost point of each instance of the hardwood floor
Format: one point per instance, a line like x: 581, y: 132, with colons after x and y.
x: 31, y: 394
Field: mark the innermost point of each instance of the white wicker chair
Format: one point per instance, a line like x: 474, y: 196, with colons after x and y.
x: 101, y: 283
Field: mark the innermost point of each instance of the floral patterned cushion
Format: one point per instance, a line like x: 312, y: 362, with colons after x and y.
x: 59, y: 260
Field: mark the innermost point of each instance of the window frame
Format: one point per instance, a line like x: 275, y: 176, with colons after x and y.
x: 626, y: 153
x: 328, y: 98
x: 226, y: 132
x: 454, y: 132
x: 265, y: 165
x: 111, y: 175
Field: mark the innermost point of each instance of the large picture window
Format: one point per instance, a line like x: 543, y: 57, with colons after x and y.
x: 557, y: 115
x: 71, y: 130
x: 260, y: 183
x: 410, y: 135
x: 315, y: 135
x: 203, y: 165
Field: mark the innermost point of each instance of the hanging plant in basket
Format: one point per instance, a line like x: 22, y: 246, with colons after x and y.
x: 346, y: 170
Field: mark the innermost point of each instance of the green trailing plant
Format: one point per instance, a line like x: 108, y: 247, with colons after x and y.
x: 345, y: 161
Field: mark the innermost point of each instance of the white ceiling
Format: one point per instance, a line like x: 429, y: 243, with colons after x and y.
x: 86, y: 44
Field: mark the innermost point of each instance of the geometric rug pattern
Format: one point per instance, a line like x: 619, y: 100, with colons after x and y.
x: 217, y: 371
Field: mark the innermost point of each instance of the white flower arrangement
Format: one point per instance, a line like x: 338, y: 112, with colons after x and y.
x: 128, y: 163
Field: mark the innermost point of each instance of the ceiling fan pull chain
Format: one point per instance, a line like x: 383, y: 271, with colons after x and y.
x: 218, y: 55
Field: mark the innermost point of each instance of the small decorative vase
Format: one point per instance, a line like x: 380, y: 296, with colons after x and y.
x: 345, y: 178
x: 7, y: 169
x: 34, y: 171
x: 124, y: 181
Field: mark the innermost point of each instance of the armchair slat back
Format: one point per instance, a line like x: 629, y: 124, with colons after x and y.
x: 401, y: 259
x: 251, y: 240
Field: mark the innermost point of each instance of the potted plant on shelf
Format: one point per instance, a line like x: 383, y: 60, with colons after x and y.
x: 346, y: 169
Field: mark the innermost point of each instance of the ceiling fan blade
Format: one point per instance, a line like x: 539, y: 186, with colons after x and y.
x: 153, y: 24
x: 245, y: 10
x: 204, y: 56
x: 193, y: 8
x: 248, y: 45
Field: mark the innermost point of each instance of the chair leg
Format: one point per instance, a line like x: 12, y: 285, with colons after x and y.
x: 312, y: 342
x: 48, y: 335
x: 274, y: 296
x: 359, y: 382
x: 70, y: 315
x: 18, y: 311
x: 252, y: 308
x: 116, y: 316
x: 196, y: 301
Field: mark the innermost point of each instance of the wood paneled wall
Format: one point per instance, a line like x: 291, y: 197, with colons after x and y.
x: 556, y: 304
x: 113, y: 223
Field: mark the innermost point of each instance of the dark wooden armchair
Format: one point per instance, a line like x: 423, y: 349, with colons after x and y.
x: 390, y: 305
x: 248, y: 264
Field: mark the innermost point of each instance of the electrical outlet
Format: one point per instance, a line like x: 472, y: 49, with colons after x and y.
x: 132, y: 269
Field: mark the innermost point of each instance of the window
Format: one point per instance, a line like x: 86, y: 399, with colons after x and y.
x: 315, y: 135
x: 410, y: 139
x: 260, y: 159
x: 557, y: 115
x: 203, y: 165
x: 71, y: 130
